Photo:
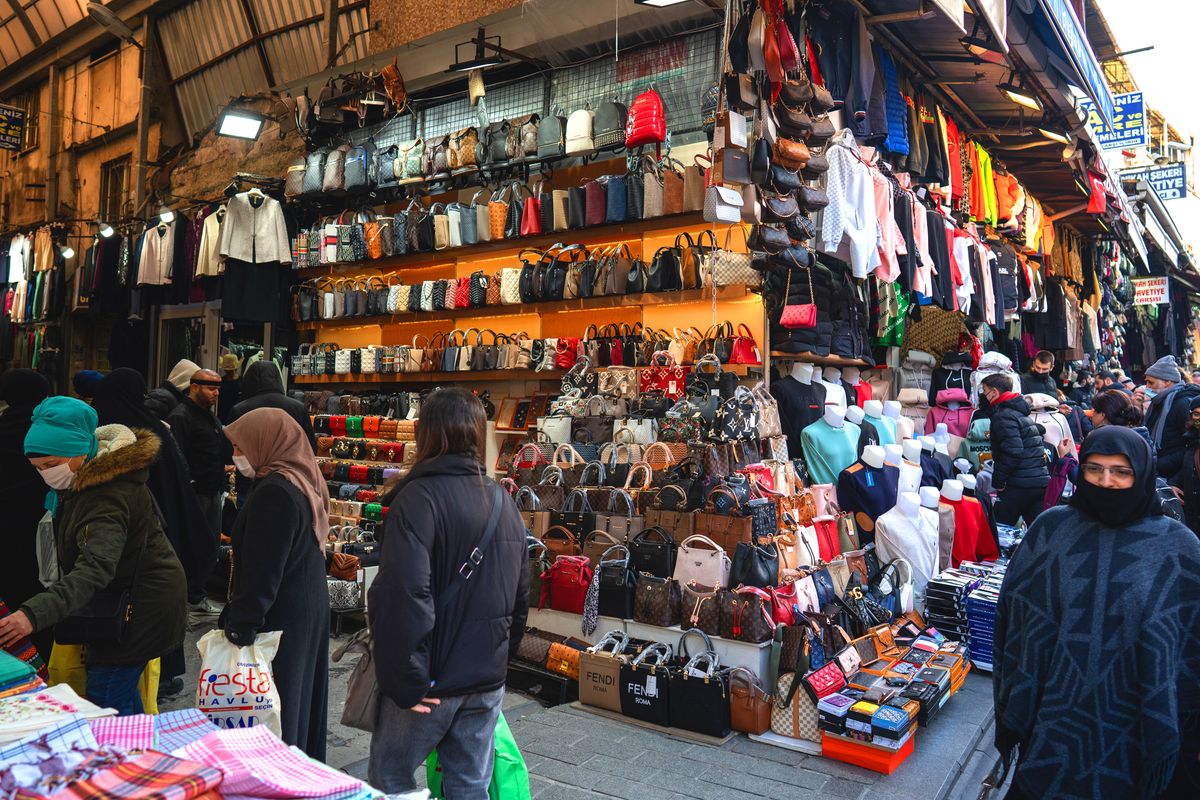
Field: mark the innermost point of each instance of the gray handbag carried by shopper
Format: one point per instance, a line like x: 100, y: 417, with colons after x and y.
x: 361, y: 709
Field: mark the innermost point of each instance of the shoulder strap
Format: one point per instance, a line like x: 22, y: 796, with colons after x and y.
x: 476, y: 557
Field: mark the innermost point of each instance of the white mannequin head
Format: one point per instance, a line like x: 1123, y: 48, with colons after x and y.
x: 930, y: 497
x: 941, y: 433
x: 893, y: 454
x: 927, y: 443
x: 968, y: 482
x: 909, y: 504
x: 873, y: 408
x: 854, y: 414
x: 892, y: 409
x: 802, y: 372
x: 952, y: 489
x: 873, y: 456
x: 851, y: 375
x: 912, y: 451
x: 832, y: 375
x: 834, y: 416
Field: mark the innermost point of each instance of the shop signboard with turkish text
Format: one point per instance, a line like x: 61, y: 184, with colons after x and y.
x: 1067, y: 30
x: 1150, y: 291
x: 1169, y: 182
x: 1129, y: 127
x: 12, y: 127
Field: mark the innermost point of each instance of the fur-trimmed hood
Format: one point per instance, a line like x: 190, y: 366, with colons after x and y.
x: 121, y: 451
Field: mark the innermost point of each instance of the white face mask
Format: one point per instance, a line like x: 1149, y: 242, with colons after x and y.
x: 243, y: 466
x: 59, y: 476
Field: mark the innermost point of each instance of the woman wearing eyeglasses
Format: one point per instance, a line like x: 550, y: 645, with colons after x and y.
x: 1097, y: 678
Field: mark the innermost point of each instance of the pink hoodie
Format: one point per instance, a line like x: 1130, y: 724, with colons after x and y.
x: 957, y: 419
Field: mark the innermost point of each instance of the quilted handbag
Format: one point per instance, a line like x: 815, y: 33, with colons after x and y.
x: 824, y: 681
x: 646, y: 122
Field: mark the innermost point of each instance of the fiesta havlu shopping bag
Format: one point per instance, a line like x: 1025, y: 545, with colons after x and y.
x: 510, y: 778
x: 237, y: 687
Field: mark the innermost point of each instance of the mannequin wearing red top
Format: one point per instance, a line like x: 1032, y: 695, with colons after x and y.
x: 972, y: 537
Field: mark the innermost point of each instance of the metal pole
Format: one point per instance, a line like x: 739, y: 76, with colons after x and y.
x: 143, y: 121
x: 52, y: 143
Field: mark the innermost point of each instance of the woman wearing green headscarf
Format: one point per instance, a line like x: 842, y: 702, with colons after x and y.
x: 122, y: 592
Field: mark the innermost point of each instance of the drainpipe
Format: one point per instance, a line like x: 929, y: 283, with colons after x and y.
x: 52, y: 143
x: 143, y: 121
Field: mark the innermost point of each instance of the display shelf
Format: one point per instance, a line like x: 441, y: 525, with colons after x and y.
x: 592, y: 234
x: 822, y: 361
x: 550, y: 307
x: 375, y: 378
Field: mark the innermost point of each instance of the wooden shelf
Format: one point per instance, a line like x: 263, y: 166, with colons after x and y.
x: 494, y: 375
x: 549, y: 307
x: 593, y: 233
x: 822, y: 361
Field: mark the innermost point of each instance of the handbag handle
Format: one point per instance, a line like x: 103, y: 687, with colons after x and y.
x: 559, y: 532
x: 683, y: 648
x: 551, y: 476
x: 617, y: 638
x: 524, y: 494
x: 575, y: 459
x: 536, y: 450
x: 647, y: 475
x: 705, y: 540
x: 709, y: 658
x: 592, y: 536
x: 658, y: 532
x: 652, y: 448
x: 622, y: 494
x: 604, y: 559
x: 532, y: 543
x: 751, y: 679
x: 601, y: 475
x: 569, y: 503
x: 660, y: 652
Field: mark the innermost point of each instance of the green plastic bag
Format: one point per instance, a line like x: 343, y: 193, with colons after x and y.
x: 510, y: 778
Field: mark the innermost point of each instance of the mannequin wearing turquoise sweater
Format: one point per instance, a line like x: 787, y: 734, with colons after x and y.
x: 830, y: 445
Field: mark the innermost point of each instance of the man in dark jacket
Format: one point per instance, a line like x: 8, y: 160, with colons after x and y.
x: 1169, y: 413
x: 1039, y: 379
x: 162, y: 401
x: 202, y: 440
x: 262, y: 387
x: 1019, y: 459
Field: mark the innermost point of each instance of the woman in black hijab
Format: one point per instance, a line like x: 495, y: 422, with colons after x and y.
x: 121, y: 400
x: 22, y: 494
x: 1097, y: 679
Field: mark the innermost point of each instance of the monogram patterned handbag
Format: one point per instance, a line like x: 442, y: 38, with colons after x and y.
x: 656, y: 601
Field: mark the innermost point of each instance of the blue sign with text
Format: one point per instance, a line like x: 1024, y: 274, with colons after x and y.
x: 1129, y: 127
x: 1169, y: 182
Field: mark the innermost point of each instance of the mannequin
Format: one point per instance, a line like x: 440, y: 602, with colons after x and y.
x: 933, y: 471
x: 905, y: 428
x: 855, y: 415
x: 868, y: 435
x: 830, y: 445
x: 930, y: 497
x: 893, y: 454
x: 910, y: 467
x: 972, y: 540
x: 970, y: 487
x: 952, y: 490
x: 912, y: 451
x: 892, y: 409
x: 858, y: 391
x: 802, y: 372
x: 886, y: 426
x: 868, y: 489
x: 800, y: 401
x: 835, y: 393
x: 941, y: 434
x: 907, y: 532
x: 968, y: 482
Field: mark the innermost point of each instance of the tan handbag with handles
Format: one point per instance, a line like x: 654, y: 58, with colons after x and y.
x: 483, y: 216
x: 652, y: 186
x: 693, y: 187
x: 561, y: 220
x: 672, y: 178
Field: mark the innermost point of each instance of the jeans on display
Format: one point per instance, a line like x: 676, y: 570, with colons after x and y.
x: 1013, y: 504
x: 116, y: 687
x: 461, y: 729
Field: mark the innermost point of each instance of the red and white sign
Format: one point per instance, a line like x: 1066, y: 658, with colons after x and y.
x: 1150, y: 291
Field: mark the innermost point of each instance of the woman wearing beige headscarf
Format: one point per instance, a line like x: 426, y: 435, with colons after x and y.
x: 279, y: 567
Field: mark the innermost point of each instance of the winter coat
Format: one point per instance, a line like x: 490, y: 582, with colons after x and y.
x: 23, y: 499
x: 436, y: 517
x: 101, y: 526
x: 1017, y: 450
x: 204, y: 445
x: 1188, y: 480
x: 1170, y: 443
x: 1043, y: 384
x: 162, y: 401
x: 279, y: 585
x: 262, y: 387
x: 1044, y: 411
x: 953, y: 408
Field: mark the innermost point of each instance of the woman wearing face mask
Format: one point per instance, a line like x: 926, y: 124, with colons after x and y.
x: 112, y: 552
x: 1096, y: 626
x: 279, y: 567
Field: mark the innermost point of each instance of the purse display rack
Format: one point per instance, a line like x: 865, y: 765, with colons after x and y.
x: 561, y: 272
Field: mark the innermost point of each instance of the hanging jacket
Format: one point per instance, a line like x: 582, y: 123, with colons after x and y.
x: 916, y: 371
x: 897, y: 110
x: 953, y: 408
x: 954, y: 373
x: 914, y: 404
x: 1044, y: 411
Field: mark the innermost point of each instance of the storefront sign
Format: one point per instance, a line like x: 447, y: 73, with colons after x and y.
x: 952, y: 10
x: 658, y: 62
x: 1150, y: 291
x: 12, y: 127
x: 1169, y: 182
x: 1128, y: 129
x: 1068, y: 35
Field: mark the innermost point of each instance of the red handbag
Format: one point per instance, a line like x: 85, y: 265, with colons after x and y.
x: 596, y: 203
x: 337, y: 425
x: 616, y: 350
x: 824, y: 681
x: 789, y: 54
x: 531, y: 216
x: 745, y: 349
x: 783, y: 597
x: 462, y: 293
x: 565, y: 584
x: 663, y: 375
x: 567, y: 352
x: 799, y: 315
x: 646, y: 122
x: 827, y: 537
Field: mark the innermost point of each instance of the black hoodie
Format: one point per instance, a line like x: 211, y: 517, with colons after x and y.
x: 1017, y: 451
x: 262, y: 387
x: 435, y: 519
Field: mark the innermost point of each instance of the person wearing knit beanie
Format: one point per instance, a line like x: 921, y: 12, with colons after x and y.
x: 85, y: 383
x: 1166, y: 370
x: 1168, y: 414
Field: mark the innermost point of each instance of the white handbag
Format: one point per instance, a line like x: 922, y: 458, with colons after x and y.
x: 510, y: 286
x: 370, y: 359
x: 641, y: 431
x: 556, y: 429
x: 393, y: 299
x: 708, y: 566
x: 427, y: 295
x: 341, y: 362
x: 455, y: 217
x: 722, y: 204
x: 579, y: 140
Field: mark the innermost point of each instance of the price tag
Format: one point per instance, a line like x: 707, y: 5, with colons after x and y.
x: 652, y: 686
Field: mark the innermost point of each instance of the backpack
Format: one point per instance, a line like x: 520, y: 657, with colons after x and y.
x: 608, y: 126
x: 334, y: 179
x: 314, y: 170
x: 647, y: 120
x: 551, y: 136
x: 579, y: 133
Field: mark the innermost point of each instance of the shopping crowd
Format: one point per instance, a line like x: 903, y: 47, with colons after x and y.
x: 130, y: 486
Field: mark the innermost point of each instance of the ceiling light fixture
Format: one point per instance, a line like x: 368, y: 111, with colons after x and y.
x: 166, y: 215
x: 1014, y: 88
x: 1054, y: 136
x: 484, y: 45
x: 658, y: 3
x: 67, y: 252
x: 105, y: 229
x: 240, y: 123
x: 981, y: 45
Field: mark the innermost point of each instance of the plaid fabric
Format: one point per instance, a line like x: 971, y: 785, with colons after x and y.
x: 128, y: 733
x: 178, y: 729
x: 72, y: 732
x: 257, y: 763
x: 23, y: 649
x: 149, y: 776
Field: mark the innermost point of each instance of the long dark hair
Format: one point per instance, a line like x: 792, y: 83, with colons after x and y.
x: 1117, y: 408
x: 452, y: 421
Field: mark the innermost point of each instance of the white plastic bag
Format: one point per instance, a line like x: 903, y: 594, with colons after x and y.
x: 237, y: 687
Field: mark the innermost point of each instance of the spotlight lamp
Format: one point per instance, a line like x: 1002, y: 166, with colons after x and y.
x: 981, y: 45
x: 1015, y: 89
x: 106, y: 230
x: 239, y: 123
x: 67, y: 252
x: 1054, y: 136
x: 166, y: 215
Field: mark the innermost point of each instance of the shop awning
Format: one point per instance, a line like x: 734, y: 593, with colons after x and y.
x: 1058, y: 26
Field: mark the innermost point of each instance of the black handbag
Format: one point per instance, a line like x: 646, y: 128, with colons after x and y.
x: 530, y: 281
x: 653, y: 551
x: 635, y: 195
x: 576, y: 207
x: 645, y: 686
x: 760, y: 161
x: 576, y: 515
x: 496, y: 135
x: 617, y: 583
x: 754, y: 565
x: 699, y: 702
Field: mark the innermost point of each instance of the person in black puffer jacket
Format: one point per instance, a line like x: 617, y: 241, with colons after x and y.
x: 262, y: 387
x: 1018, y: 455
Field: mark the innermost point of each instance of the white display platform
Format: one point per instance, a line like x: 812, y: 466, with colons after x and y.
x: 756, y: 657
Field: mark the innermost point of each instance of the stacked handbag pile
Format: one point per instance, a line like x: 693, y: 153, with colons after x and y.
x: 630, y: 353
x: 345, y: 441
x: 561, y: 272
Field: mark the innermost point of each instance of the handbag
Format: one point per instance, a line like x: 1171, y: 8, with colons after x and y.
x: 565, y: 584
x: 746, y: 615
x: 794, y: 713
x: 361, y: 707
x: 699, y: 698
x: 618, y: 582
x: 755, y: 565
x: 653, y: 552
x: 646, y: 122
x: 708, y: 566
x: 645, y: 686
x: 700, y: 607
x: 600, y: 670
x: 563, y: 659
x: 749, y: 704
x: 799, y: 315
x: 534, y: 647
x: 656, y: 601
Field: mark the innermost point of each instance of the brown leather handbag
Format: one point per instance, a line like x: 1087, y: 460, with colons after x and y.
x: 701, y: 608
x: 656, y: 601
x: 561, y: 542
x: 672, y: 178
x: 463, y: 148
x: 790, y: 153
x: 749, y: 705
x: 344, y: 567
x: 535, y: 646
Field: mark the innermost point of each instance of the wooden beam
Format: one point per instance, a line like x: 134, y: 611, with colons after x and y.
x: 26, y: 23
x: 256, y: 37
x: 331, y: 26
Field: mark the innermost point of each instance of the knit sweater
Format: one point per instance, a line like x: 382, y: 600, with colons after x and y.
x: 829, y: 450
x: 868, y: 492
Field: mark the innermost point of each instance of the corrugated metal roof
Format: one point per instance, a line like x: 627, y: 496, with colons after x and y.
x: 211, y: 55
x: 32, y: 23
